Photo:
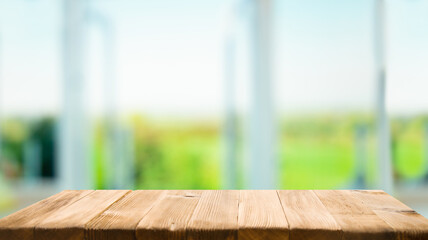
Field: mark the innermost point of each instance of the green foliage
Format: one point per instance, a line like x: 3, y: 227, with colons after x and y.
x: 14, y: 132
x: 176, y: 155
x: 409, y: 151
x: 314, y: 151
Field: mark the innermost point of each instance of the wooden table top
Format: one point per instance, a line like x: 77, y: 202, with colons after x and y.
x: 212, y: 214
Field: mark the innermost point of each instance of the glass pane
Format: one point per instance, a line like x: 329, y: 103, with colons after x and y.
x: 325, y: 91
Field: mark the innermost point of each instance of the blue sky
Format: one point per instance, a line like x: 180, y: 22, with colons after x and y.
x: 170, y: 56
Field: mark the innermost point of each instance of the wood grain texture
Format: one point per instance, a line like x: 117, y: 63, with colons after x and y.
x: 261, y: 216
x: 308, y: 217
x: 215, y: 216
x: 69, y: 222
x: 169, y: 218
x: 356, y: 220
x: 119, y: 221
x: 228, y: 214
x: 407, y: 223
x: 20, y: 225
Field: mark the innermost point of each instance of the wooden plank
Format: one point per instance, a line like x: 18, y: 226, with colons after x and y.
x: 261, y: 216
x: 407, y: 223
x: 215, y: 216
x: 20, y: 225
x: 356, y: 219
x: 307, y: 216
x: 69, y: 222
x: 121, y: 218
x: 168, y: 219
x: 229, y: 214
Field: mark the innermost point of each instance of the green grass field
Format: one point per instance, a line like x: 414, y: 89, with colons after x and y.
x: 313, y: 152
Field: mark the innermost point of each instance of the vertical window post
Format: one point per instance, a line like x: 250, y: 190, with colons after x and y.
x: 73, y: 158
x: 385, y: 178
x: 262, y: 124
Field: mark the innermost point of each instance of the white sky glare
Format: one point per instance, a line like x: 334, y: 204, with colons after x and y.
x: 169, y: 55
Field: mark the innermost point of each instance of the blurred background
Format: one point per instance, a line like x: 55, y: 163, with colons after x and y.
x: 213, y: 94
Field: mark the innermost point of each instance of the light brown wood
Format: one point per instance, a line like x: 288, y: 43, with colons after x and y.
x: 261, y: 216
x: 215, y: 216
x: 356, y: 220
x: 121, y: 218
x: 69, y: 222
x: 229, y: 214
x: 308, y: 217
x: 20, y: 225
x: 407, y: 223
x: 168, y: 219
